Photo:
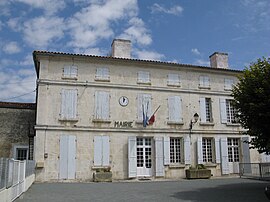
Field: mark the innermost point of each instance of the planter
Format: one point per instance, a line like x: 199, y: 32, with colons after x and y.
x: 198, y: 174
x: 102, y: 177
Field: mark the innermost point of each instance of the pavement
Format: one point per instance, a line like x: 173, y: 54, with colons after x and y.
x: 208, y: 190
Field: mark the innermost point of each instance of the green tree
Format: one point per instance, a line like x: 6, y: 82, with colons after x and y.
x: 252, y: 99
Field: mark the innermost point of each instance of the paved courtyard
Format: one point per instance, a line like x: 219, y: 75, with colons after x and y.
x: 217, y: 190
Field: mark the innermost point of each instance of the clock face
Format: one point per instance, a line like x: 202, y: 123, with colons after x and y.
x: 123, y: 101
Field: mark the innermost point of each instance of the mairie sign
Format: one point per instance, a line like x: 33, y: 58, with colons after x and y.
x: 123, y: 124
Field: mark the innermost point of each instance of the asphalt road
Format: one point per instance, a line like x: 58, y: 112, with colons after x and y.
x: 216, y: 190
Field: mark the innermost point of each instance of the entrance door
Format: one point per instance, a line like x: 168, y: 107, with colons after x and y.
x: 67, y: 157
x: 144, y: 157
x: 233, y: 154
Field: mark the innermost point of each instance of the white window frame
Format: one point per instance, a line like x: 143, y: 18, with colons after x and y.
x: 204, y: 82
x: 230, y: 112
x: 70, y: 72
x: 15, y: 150
x: 234, y: 155
x: 207, y: 150
x: 176, y: 150
x: 228, y: 84
x: 206, y: 113
x: 174, y: 80
x: 102, y: 74
x: 143, y: 77
x: 69, y: 99
x: 102, y: 106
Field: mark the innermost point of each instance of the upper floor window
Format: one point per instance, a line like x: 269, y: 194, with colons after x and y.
x: 102, y: 105
x: 206, y: 110
x: 228, y: 84
x: 102, y: 74
x: 173, y: 80
x: 70, y: 72
x: 227, y: 111
x: 204, y: 82
x: 144, y: 106
x: 175, y: 109
x: 69, y: 104
x: 144, y: 77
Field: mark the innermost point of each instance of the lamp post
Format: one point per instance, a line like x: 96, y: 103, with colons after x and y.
x: 192, y: 122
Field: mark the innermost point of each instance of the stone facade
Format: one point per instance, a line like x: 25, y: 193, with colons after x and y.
x: 90, y: 116
x: 17, y: 122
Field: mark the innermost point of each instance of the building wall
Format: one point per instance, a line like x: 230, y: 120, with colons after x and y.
x: 122, y: 82
x: 16, y: 124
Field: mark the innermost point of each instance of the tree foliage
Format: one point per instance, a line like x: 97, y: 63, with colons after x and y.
x: 252, y: 96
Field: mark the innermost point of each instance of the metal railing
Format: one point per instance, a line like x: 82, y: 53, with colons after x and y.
x: 255, y: 170
x: 13, y: 174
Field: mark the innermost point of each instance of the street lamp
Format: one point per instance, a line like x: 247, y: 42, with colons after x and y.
x: 195, y: 117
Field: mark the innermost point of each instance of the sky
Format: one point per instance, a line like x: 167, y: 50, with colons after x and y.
x: 181, y: 31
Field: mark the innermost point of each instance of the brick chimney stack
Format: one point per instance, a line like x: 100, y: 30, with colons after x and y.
x: 219, y: 60
x: 121, y: 48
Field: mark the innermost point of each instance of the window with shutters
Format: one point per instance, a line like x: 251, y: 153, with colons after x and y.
x: 233, y: 149
x: 101, y: 151
x: 207, y: 149
x: 175, y: 110
x: 230, y: 112
x: 228, y: 84
x: 143, y: 77
x: 102, y: 106
x: 173, y: 80
x: 208, y: 110
x: 175, y: 150
x: 204, y: 82
x: 70, y: 72
x: 144, y: 106
x: 68, y: 104
x: 102, y: 74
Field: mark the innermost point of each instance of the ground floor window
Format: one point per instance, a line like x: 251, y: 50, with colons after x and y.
x: 20, y: 152
x: 144, y: 152
x: 233, y: 149
x: 175, y: 150
x: 207, y: 150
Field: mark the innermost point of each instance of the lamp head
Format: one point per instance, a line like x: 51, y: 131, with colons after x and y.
x: 196, y: 117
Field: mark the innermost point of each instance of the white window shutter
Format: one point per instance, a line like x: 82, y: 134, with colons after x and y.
x: 63, y: 160
x: 173, y: 79
x: 140, y: 107
x: 132, y: 157
x: 98, y: 150
x: 217, y: 149
x: 159, y: 156
x: 166, y: 147
x: 224, y: 156
x: 105, y: 105
x: 199, y: 150
x: 187, y: 150
x: 106, y: 73
x: 63, y: 103
x: 71, y: 156
x: 66, y: 71
x: 223, y: 113
x: 207, y: 81
x: 175, y: 109
x: 68, y: 103
x: 201, y: 81
x: 246, y: 154
x: 105, y: 150
x: 202, y: 110
x: 74, y: 99
x: 143, y: 77
x: 73, y: 71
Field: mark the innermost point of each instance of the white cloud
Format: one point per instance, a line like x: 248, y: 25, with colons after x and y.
x: 41, y: 31
x: 1, y: 25
x: 11, y: 48
x: 27, y: 61
x: 175, y: 10
x: 49, y: 6
x: 201, y: 62
x: 195, y: 51
x: 148, y: 55
x: 137, y: 32
x: 94, y: 22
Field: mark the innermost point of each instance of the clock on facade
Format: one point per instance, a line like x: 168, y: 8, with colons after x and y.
x: 123, y: 101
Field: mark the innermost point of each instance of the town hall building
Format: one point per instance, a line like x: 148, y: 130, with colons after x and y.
x: 136, y: 118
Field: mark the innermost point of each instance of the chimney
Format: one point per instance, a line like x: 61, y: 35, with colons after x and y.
x: 219, y: 60
x: 121, y: 48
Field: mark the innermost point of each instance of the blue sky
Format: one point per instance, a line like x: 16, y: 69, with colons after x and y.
x: 182, y: 31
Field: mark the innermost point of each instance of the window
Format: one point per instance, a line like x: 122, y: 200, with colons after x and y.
x: 70, y: 72
x: 143, y: 77
x: 102, y: 74
x: 204, y: 82
x: 102, y: 105
x: 173, y: 80
x: 20, y: 153
x: 230, y: 111
x: 228, y: 83
x: 144, y: 106
x: 207, y: 150
x: 206, y: 110
x: 175, y: 150
x: 101, y: 151
x: 233, y: 150
x: 175, y: 109
x: 69, y: 104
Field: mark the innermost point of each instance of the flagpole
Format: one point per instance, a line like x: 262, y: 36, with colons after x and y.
x: 155, y: 110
